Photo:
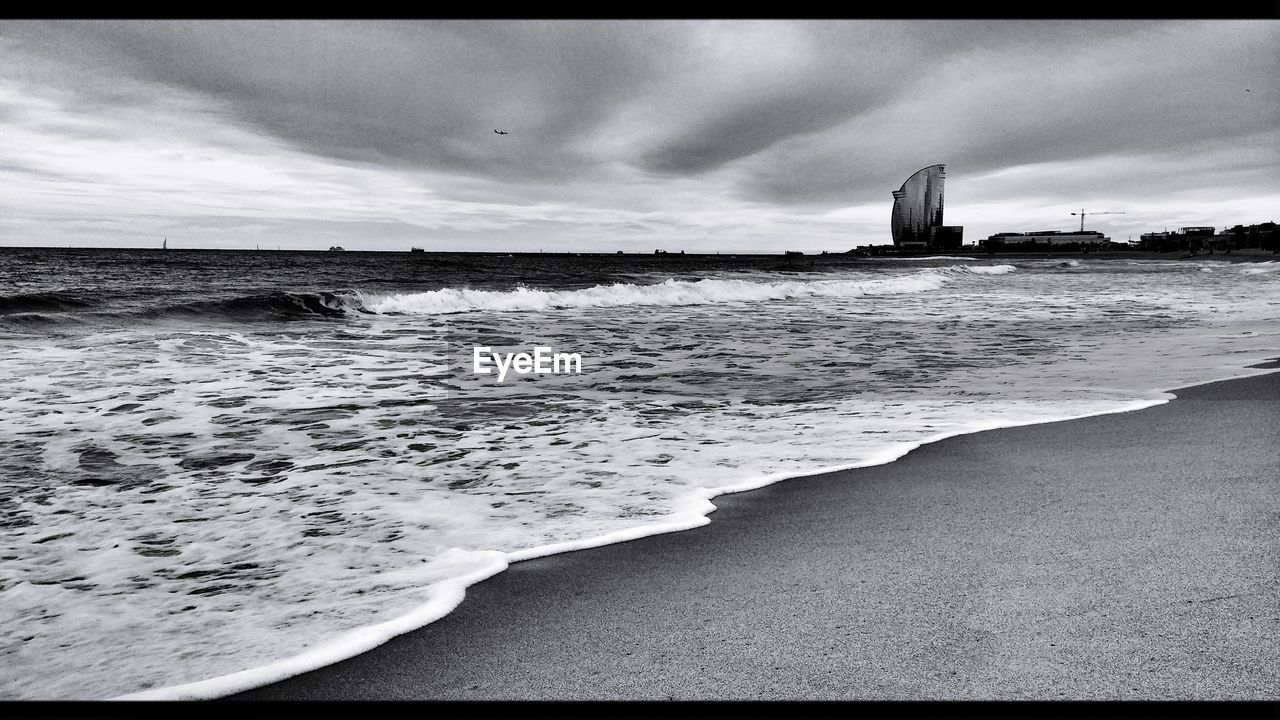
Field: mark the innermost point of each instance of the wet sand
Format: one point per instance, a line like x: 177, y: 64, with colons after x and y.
x: 1128, y: 556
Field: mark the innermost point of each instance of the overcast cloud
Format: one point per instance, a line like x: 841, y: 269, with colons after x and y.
x: 695, y: 135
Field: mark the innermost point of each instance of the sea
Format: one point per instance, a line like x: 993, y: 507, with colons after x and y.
x: 221, y: 468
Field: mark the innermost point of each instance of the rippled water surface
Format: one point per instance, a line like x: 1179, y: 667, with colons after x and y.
x: 216, y: 460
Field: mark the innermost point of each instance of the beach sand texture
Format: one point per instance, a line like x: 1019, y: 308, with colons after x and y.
x: 1124, y: 556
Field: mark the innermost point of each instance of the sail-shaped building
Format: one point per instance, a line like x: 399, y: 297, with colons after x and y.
x: 917, y: 213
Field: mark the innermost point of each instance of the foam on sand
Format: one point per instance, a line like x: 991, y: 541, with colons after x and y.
x: 445, y: 596
x: 448, y: 595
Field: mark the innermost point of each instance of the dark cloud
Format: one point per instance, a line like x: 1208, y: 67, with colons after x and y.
x: 844, y: 70
x: 1159, y: 90
x: 418, y: 94
x: 739, y: 132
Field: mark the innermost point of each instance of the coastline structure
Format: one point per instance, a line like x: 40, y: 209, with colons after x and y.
x: 1081, y: 570
x: 1048, y: 238
x: 916, y: 219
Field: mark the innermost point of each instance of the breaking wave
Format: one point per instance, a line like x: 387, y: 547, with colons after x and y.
x: 668, y: 293
x: 72, y: 305
x: 273, y: 306
x: 86, y: 304
x: 42, y: 302
x: 1268, y: 266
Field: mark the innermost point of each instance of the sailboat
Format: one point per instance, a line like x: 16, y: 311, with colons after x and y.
x: 165, y: 245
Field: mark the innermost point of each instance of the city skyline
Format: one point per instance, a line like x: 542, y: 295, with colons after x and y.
x: 701, y: 136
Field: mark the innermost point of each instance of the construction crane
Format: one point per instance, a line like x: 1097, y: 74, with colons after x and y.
x: 1082, y: 214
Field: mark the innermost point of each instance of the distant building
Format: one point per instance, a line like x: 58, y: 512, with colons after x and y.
x: 1153, y: 240
x: 1264, y: 236
x: 917, y: 213
x: 1198, y: 232
x: 1048, y: 237
x: 947, y: 237
x: 1261, y: 236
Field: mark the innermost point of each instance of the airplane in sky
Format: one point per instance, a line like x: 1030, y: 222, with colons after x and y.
x: 500, y: 132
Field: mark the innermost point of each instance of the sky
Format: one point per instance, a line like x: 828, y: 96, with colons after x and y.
x: 633, y: 135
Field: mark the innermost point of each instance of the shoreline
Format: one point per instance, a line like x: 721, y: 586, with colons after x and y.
x: 1239, y: 255
x: 306, y: 686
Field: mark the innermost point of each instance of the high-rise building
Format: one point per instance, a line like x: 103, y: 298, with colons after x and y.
x: 917, y: 213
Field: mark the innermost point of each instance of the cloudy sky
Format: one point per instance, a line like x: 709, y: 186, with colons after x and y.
x: 696, y: 135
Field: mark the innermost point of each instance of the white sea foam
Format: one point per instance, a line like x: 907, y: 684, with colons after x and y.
x: 990, y: 269
x: 669, y: 293
x: 1269, y: 266
x: 446, y: 592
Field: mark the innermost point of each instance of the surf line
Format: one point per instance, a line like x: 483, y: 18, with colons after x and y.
x: 543, y: 361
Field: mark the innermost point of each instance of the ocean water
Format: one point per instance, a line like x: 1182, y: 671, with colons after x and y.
x: 220, y: 468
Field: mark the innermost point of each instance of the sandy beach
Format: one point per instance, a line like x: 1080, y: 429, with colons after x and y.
x: 1125, y: 556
